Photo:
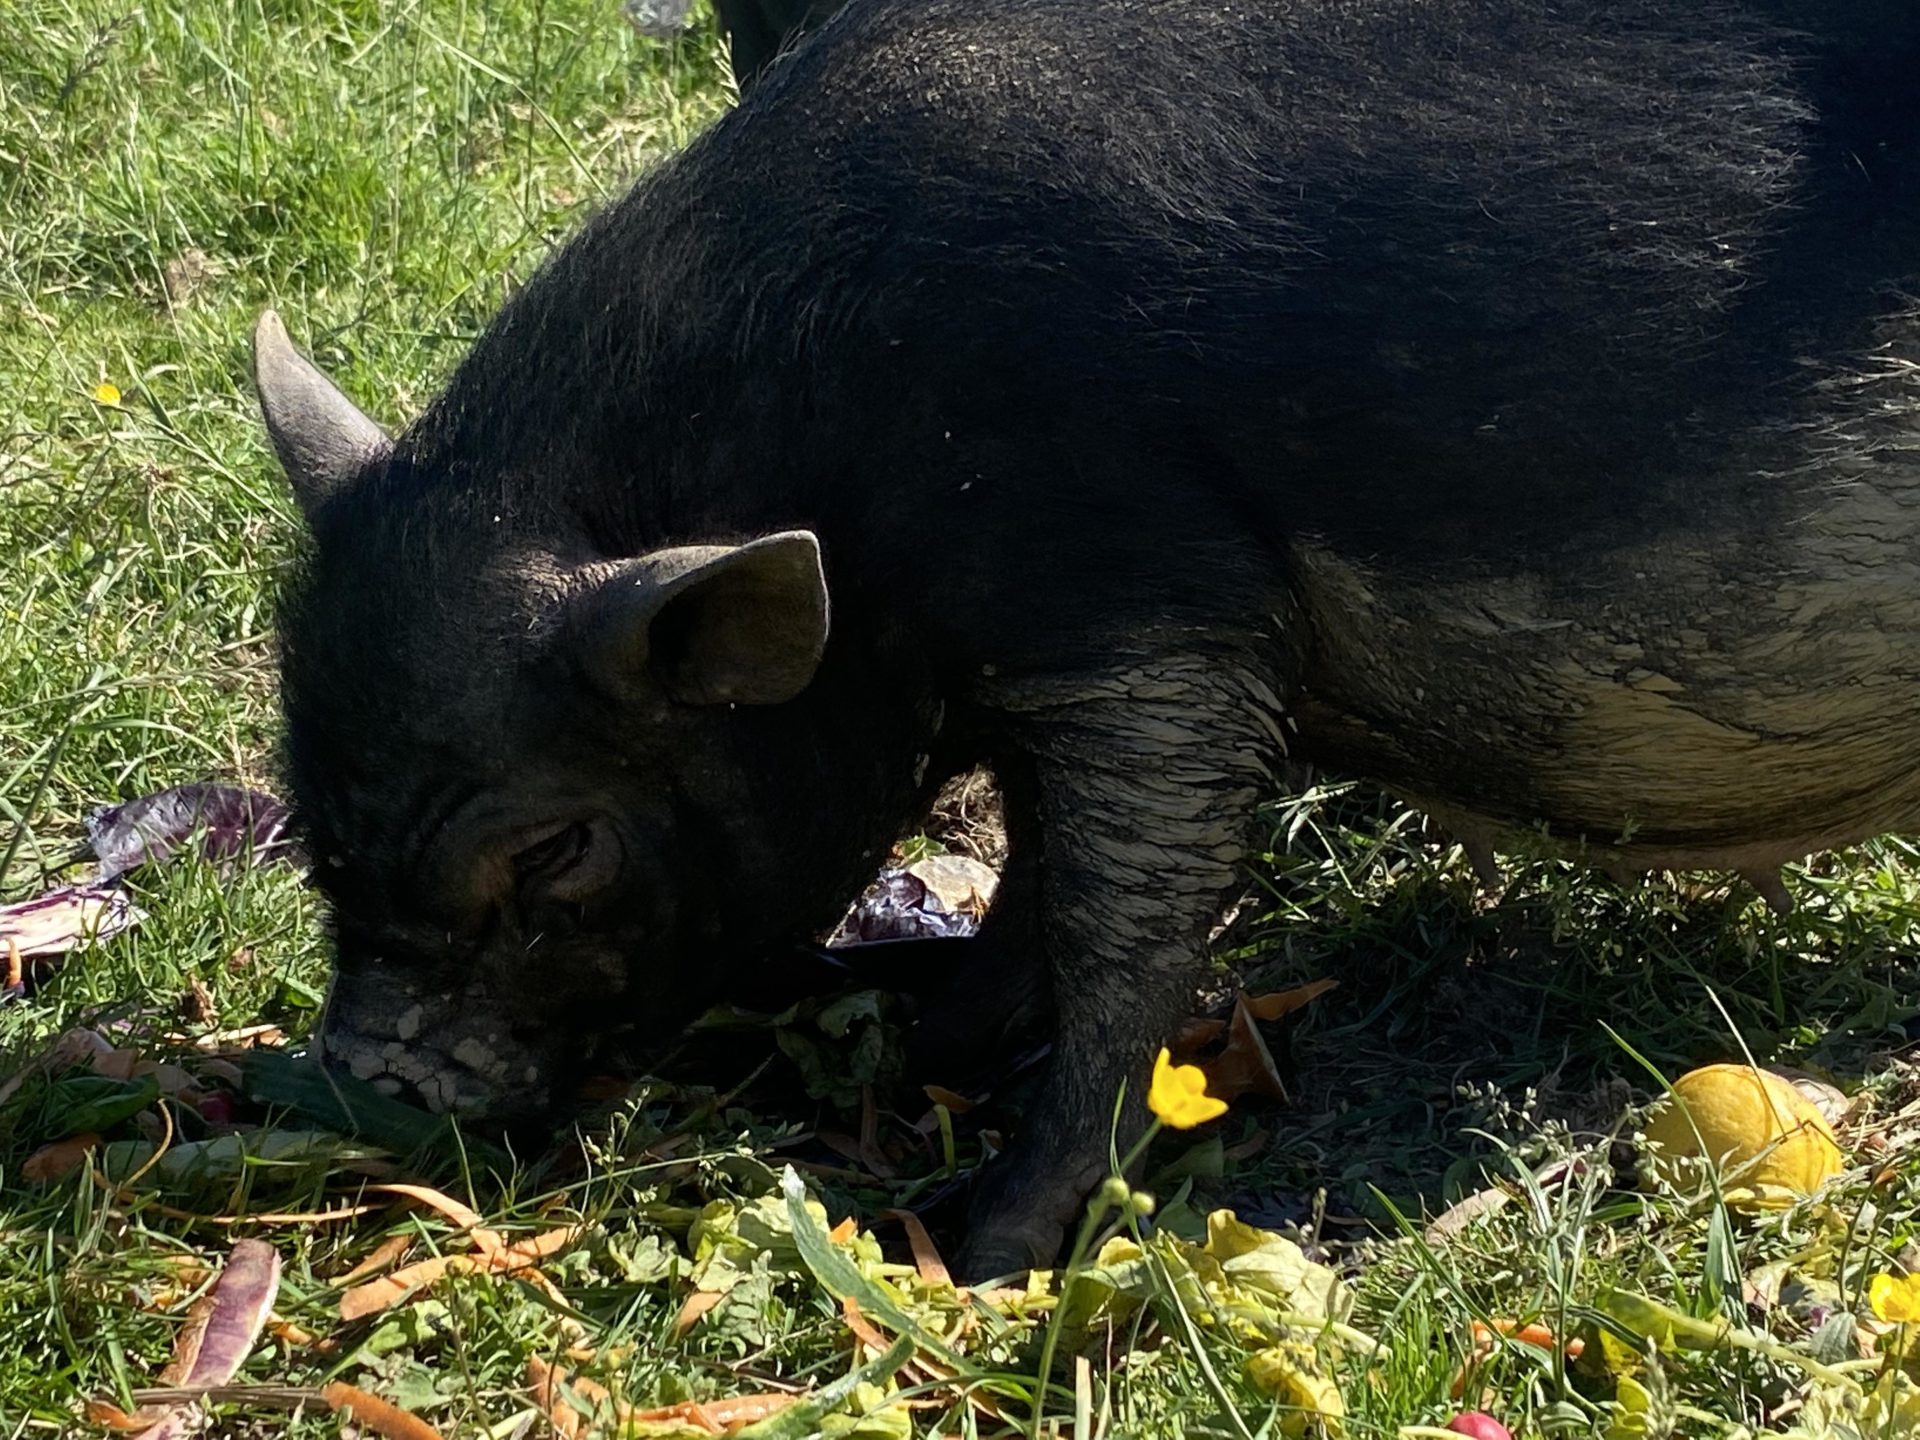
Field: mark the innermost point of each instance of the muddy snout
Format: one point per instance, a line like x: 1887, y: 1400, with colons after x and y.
x: 458, y: 1059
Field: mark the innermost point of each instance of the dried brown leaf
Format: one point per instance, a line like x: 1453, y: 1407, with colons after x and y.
x: 1244, y: 1065
x: 219, y: 1333
x: 384, y: 1254
x: 197, y: 1006
x: 246, y: 1037
x: 718, y: 1417
x: 225, y: 1323
x: 1196, y: 1033
x: 551, y: 1384
x: 58, y: 1160
x: 116, y: 1064
x: 926, y: 1255
x: 1271, y: 1007
x: 539, y: 1247
x: 955, y: 1102
x: 862, y: 1328
x: 464, y: 1216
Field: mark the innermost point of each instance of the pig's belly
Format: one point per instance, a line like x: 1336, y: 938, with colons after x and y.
x: 1668, y: 712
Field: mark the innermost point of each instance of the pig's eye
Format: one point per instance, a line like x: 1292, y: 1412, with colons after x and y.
x: 556, y: 854
x: 570, y: 863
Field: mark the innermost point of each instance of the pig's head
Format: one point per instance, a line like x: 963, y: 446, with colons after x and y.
x: 550, y: 793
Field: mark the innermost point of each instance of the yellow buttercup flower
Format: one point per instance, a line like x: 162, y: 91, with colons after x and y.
x: 1895, y: 1298
x: 1178, y: 1094
x: 107, y: 393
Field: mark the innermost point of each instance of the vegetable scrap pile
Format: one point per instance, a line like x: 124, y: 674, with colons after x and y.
x: 709, y: 1262
x: 230, y: 824
x: 914, y: 1346
x: 728, y: 1254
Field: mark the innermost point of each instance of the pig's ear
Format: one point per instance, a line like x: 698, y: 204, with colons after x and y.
x: 322, y: 440
x: 712, y: 624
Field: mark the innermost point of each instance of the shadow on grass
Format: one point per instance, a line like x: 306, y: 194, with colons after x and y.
x: 1468, y: 1025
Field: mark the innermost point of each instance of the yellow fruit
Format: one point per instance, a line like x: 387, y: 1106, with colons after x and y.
x: 1771, y: 1145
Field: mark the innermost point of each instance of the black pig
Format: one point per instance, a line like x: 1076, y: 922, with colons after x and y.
x: 1517, y: 404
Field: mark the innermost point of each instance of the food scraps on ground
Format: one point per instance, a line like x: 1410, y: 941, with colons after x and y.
x: 65, y: 919
x: 218, y: 1336
x: 382, y: 1417
x: 1771, y: 1145
x: 1485, y: 1338
x: 233, y: 824
x: 1479, y: 1425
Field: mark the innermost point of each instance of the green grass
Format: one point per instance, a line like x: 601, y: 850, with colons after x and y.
x: 382, y: 173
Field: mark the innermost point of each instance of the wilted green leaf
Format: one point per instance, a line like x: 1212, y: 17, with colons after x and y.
x: 871, y: 1414
x: 78, y: 1103
x: 207, y: 1165
x: 841, y: 1274
x: 729, y: 1238
x: 411, y: 1325
x: 354, y: 1107
x: 836, y: 1017
x: 1274, y: 1266
x: 1663, y: 1324
x: 808, y: 1417
x: 649, y: 1260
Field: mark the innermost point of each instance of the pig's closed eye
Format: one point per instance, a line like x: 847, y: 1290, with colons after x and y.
x: 554, y: 855
x: 570, y: 863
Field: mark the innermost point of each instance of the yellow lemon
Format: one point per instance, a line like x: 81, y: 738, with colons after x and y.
x: 1772, y: 1146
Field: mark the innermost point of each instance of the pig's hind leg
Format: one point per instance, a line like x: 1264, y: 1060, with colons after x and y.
x: 1146, y: 777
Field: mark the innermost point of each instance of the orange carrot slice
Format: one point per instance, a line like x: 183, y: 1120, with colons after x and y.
x: 382, y: 1417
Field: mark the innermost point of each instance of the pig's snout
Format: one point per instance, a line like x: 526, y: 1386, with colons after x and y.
x: 471, y: 1069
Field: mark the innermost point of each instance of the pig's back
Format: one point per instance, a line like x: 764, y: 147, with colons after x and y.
x: 1567, y: 360
x: 1468, y: 276
x: 1059, y: 317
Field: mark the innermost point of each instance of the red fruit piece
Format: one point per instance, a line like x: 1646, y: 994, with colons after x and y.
x: 1479, y: 1425
x: 216, y: 1108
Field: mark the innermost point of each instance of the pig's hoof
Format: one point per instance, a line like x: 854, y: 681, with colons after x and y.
x: 1009, y: 1250
x: 1019, y: 1222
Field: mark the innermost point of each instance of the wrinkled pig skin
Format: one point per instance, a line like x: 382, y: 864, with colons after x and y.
x: 1517, y: 405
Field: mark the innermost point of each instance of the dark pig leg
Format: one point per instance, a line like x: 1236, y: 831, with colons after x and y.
x: 1147, y: 780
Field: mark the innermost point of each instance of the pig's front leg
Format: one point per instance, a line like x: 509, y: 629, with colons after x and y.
x: 1147, y: 781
